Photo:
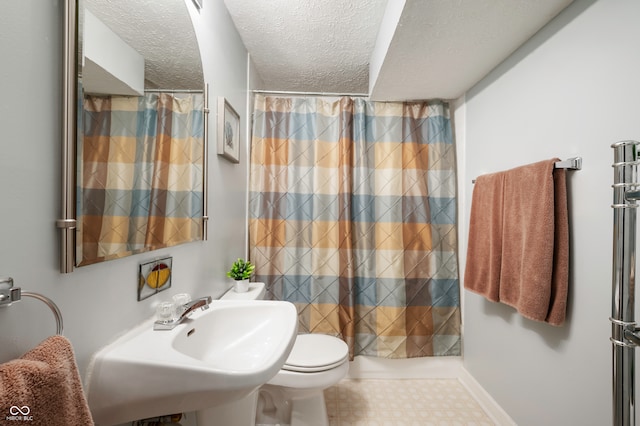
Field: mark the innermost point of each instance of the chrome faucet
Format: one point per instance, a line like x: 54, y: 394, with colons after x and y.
x: 183, y: 312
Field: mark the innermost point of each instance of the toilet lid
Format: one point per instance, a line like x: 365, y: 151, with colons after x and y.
x: 316, y: 352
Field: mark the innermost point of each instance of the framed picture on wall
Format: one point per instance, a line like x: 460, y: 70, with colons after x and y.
x: 228, y: 131
x: 153, y: 277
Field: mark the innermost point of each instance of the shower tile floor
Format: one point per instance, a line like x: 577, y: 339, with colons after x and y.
x: 440, y: 402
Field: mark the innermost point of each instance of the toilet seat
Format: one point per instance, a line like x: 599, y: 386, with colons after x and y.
x: 313, y: 353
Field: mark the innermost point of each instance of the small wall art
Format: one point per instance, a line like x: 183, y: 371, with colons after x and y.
x: 228, y: 131
x: 154, y: 277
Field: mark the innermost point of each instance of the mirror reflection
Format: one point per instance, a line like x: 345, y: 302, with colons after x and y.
x: 141, y: 140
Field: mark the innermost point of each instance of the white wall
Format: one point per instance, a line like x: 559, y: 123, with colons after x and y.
x: 97, y: 302
x: 109, y: 65
x: 573, y: 89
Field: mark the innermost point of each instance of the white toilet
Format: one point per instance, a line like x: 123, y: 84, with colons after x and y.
x: 295, y: 396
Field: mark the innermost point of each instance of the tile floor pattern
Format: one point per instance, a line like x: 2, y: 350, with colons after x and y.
x: 438, y: 402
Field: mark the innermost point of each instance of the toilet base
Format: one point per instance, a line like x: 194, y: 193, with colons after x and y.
x: 276, y: 407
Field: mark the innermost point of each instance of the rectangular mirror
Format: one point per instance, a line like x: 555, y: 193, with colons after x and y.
x: 139, y: 152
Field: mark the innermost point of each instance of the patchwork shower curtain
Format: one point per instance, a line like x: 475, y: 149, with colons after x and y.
x: 352, y: 218
x: 140, y: 177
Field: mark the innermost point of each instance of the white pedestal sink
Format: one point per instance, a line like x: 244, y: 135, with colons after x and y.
x: 214, y: 358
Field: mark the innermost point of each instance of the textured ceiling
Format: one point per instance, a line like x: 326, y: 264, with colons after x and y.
x: 310, y: 45
x: 426, y: 49
x: 172, y: 56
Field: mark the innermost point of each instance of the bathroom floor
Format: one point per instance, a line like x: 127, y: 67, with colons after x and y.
x: 403, y: 403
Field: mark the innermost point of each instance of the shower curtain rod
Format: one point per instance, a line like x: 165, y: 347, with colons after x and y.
x: 173, y: 91
x: 285, y: 92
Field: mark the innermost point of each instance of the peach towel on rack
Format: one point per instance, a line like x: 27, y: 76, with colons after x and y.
x: 44, y: 385
x: 534, y: 261
x: 484, y: 250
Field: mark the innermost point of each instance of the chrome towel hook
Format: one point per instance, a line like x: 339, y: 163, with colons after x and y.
x: 10, y: 294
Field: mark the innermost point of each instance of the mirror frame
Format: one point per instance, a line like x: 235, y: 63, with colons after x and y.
x: 67, y: 223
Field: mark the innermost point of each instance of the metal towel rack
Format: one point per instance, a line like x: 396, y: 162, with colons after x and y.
x: 574, y: 163
x: 10, y: 294
x: 625, y: 333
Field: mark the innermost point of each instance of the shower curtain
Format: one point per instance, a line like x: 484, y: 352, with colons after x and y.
x: 140, y: 173
x: 352, y: 217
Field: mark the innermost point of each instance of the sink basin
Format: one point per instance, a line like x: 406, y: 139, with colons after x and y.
x: 214, y: 357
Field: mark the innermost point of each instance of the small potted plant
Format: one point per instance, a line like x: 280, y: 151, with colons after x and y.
x: 241, y: 271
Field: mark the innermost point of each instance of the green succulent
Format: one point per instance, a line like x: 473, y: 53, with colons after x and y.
x: 241, y: 270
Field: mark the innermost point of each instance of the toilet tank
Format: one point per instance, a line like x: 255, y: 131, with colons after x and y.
x: 256, y: 292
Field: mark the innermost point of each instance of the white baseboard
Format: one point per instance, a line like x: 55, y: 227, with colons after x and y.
x: 488, y: 404
x: 363, y: 367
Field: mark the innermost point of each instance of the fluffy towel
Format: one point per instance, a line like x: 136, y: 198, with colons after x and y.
x: 43, y: 387
x: 533, y: 240
x: 484, y: 252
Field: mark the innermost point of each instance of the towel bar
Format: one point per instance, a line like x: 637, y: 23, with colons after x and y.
x: 574, y: 163
x: 10, y: 294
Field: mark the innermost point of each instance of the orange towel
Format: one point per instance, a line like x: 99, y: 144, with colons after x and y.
x: 533, y: 239
x: 43, y: 387
x: 484, y: 251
